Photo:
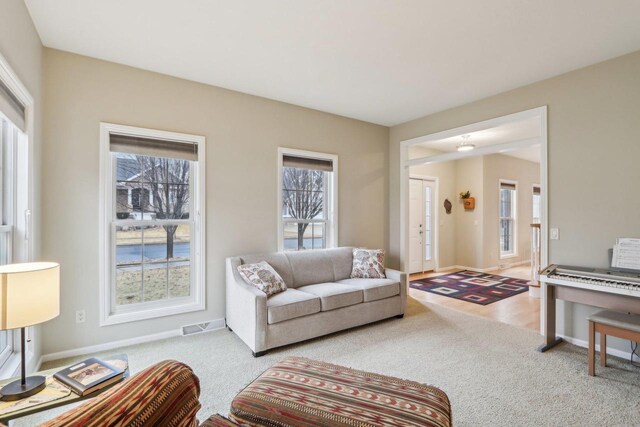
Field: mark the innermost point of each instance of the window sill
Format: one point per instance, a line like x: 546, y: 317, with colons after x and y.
x: 508, y: 256
x: 151, y: 313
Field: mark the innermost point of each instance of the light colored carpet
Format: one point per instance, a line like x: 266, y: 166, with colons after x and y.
x: 490, y: 370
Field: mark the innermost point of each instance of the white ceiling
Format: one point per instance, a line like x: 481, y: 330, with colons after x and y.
x: 509, y: 132
x: 380, y: 61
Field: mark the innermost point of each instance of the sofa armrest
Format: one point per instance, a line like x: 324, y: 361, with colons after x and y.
x: 164, y: 394
x: 246, y: 308
x: 402, y: 277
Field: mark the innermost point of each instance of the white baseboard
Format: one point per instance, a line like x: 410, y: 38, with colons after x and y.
x: 39, y: 365
x: 518, y: 263
x: 585, y: 344
x: 480, y: 270
x: 449, y: 268
x: 109, y: 345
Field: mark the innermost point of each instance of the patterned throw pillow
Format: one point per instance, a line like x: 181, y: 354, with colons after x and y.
x: 262, y: 276
x: 368, y: 264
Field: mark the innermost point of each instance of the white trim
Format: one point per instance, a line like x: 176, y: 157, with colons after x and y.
x: 516, y: 264
x: 478, y: 126
x: 544, y: 210
x: 110, y: 345
x: 585, y: 344
x: 11, y: 80
x: 515, y: 212
x: 447, y: 268
x: 436, y: 217
x: 542, y: 141
x: 332, y: 240
x: 481, y: 270
x: 196, y: 301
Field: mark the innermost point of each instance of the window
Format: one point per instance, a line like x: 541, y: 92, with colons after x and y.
x: 153, y: 251
x: 307, y: 188
x: 16, y: 134
x: 508, y: 227
x: 536, y: 205
x: 13, y: 211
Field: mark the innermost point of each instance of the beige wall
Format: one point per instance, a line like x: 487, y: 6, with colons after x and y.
x: 497, y: 167
x: 20, y: 46
x: 243, y: 133
x: 469, y: 230
x: 593, y: 130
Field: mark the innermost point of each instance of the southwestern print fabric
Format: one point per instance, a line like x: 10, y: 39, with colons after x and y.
x: 262, y: 276
x: 471, y: 286
x: 165, y: 394
x: 302, y: 392
x: 218, y: 421
x: 368, y: 264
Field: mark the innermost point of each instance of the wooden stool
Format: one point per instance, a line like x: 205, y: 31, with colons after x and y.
x: 621, y: 325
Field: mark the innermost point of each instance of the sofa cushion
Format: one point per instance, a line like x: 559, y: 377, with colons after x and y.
x: 291, y: 304
x: 310, y: 267
x: 374, y: 289
x: 262, y: 276
x: 368, y: 264
x: 278, y: 261
x: 342, y: 260
x: 334, y: 295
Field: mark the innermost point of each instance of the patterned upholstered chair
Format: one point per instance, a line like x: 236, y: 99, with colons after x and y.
x: 165, y: 394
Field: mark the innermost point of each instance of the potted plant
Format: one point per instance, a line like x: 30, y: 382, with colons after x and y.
x: 467, y: 201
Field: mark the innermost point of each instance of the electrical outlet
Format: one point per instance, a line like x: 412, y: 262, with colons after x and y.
x: 81, y: 316
x: 555, y: 234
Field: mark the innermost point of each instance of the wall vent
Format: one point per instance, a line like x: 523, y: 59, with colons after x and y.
x: 199, y: 328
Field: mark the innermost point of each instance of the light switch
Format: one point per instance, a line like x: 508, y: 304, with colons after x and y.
x: 555, y: 234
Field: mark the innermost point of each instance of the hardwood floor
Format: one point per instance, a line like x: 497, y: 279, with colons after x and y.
x: 521, y: 310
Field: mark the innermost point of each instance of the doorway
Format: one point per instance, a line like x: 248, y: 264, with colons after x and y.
x: 422, y: 228
x: 449, y: 146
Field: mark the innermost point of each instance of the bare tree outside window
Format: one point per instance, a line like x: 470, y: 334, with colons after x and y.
x: 159, y: 186
x: 303, y: 198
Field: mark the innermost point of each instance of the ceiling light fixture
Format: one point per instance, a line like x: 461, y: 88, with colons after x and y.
x: 465, y: 145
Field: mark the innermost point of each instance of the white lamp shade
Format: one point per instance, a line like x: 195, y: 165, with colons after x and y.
x: 29, y: 294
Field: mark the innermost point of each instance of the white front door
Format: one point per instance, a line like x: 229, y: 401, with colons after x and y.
x: 415, y: 226
x: 428, y: 253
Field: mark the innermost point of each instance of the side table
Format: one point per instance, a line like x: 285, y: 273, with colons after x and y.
x: 71, y: 398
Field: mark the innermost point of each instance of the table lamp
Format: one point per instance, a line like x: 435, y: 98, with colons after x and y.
x: 29, y: 294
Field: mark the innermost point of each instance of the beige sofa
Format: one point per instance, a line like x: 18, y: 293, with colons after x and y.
x: 321, y: 298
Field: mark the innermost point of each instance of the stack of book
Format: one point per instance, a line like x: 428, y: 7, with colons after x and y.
x: 89, y: 376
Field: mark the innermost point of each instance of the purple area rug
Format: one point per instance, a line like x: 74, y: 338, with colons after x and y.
x: 471, y: 286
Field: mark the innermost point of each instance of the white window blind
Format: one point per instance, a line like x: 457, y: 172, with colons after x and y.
x: 153, y: 147
x: 307, y: 163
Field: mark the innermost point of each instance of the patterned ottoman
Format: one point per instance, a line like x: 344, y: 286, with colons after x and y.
x: 304, y: 392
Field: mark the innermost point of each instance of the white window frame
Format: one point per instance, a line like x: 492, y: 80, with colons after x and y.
x: 22, y: 241
x: 331, y: 190
x: 514, y: 253
x: 110, y: 314
x: 533, y: 218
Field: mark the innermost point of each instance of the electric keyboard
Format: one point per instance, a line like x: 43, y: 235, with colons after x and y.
x: 593, y: 279
x: 613, y: 290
